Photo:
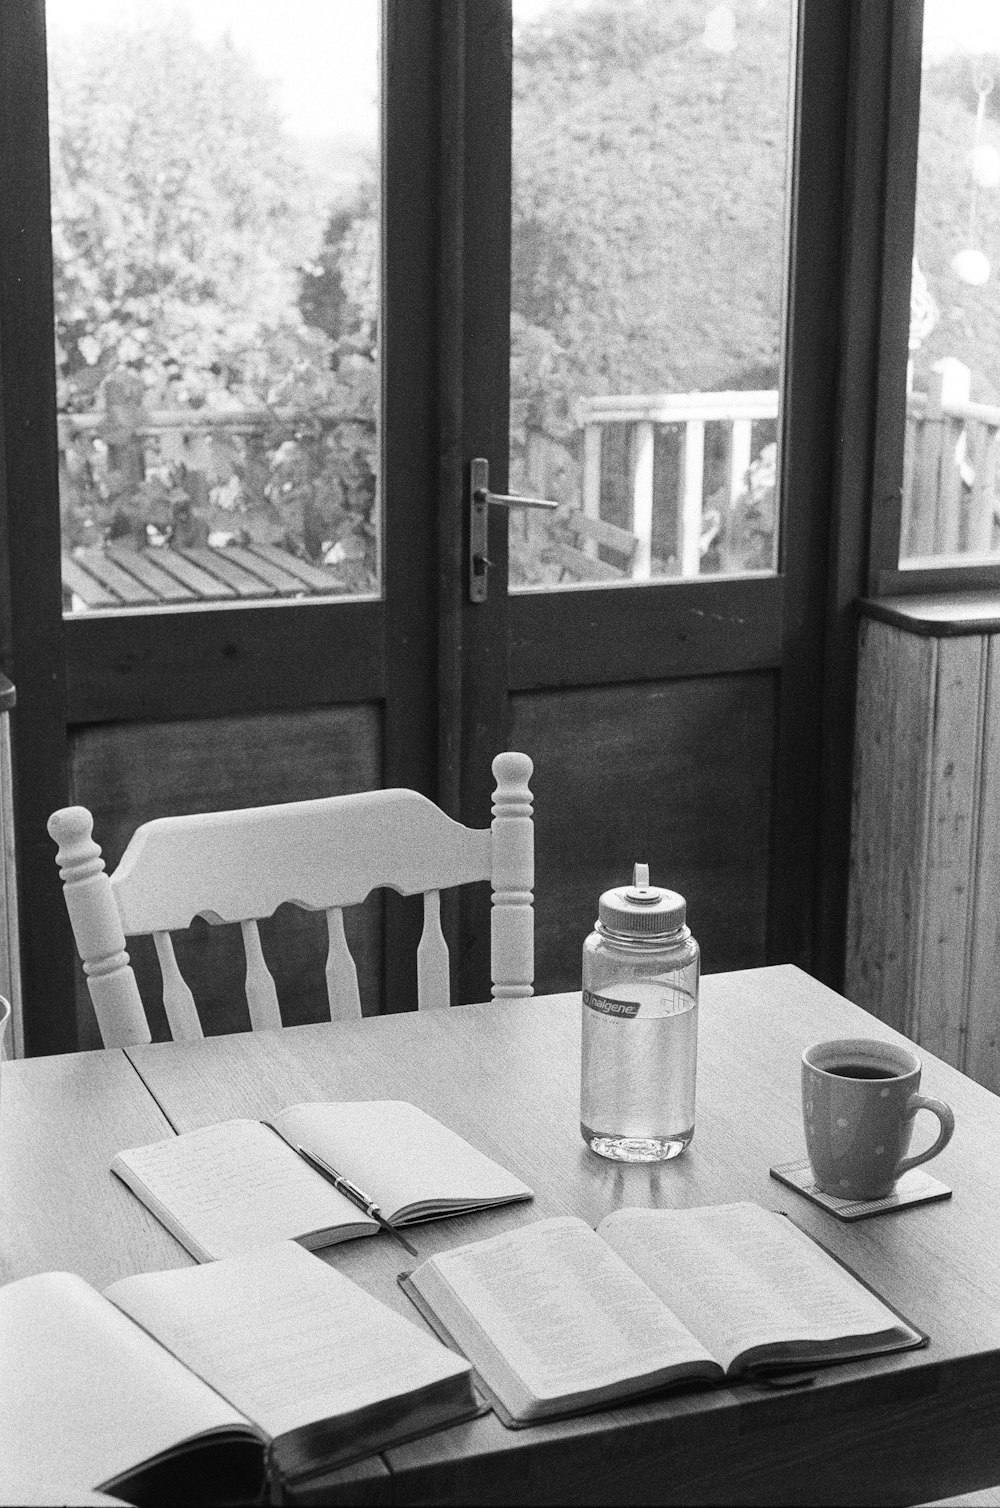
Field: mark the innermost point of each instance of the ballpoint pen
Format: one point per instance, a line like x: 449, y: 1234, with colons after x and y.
x: 355, y: 1195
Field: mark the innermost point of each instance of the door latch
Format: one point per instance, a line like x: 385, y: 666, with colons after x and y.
x: 480, y: 498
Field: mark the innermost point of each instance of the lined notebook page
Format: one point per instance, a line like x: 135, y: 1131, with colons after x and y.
x: 399, y: 1154
x: 233, y: 1187
x: 285, y: 1337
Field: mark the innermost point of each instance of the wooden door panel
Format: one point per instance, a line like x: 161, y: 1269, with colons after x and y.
x: 642, y: 633
x: 676, y: 774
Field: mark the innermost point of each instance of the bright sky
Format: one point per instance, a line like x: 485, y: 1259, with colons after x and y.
x: 960, y: 26
x: 323, y: 53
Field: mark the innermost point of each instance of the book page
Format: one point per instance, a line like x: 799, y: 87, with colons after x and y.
x: 549, y: 1313
x: 741, y: 1276
x: 85, y: 1395
x: 407, y: 1161
x: 284, y: 1337
x: 229, y: 1188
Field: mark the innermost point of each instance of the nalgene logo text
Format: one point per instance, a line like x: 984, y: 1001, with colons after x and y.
x: 608, y: 1007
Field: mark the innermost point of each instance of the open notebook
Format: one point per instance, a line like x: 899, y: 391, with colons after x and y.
x: 557, y: 1318
x: 227, y: 1188
x: 244, y: 1379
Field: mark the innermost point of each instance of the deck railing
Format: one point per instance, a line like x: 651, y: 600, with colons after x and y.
x: 950, y: 499
x: 736, y: 412
x: 180, y: 506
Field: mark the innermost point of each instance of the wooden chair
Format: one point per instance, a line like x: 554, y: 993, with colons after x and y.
x: 578, y: 559
x: 239, y: 866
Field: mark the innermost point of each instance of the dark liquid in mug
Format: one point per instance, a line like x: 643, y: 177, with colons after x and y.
x: 861, y: 1071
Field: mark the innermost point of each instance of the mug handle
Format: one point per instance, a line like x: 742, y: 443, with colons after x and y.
x: 945, y: 1116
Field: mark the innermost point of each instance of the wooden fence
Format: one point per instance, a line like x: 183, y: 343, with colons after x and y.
x: 950, y: 500
x: 736, y: 412
x: 127, y: 446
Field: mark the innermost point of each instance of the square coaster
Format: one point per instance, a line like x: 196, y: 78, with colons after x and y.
x: 915, y: 1187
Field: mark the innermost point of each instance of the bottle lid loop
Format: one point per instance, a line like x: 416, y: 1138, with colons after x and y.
x: 641, y: 909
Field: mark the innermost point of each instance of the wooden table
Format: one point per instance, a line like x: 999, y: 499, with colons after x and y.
x: 117, y: 575
x: 906, y: 1428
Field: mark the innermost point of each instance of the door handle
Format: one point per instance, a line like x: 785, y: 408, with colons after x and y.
x: 480, y: 498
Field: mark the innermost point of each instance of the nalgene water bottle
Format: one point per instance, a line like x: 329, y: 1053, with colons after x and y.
x: 640, y: 1025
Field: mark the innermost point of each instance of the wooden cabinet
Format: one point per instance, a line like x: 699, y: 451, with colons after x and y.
x: 923, y: 933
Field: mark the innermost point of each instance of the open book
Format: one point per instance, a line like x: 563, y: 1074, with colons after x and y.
x: 207, y: 1384
x: 557, y: 1318
x: 227, y: 1188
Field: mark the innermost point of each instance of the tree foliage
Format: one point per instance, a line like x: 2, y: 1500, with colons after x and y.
x: 182, y: 218
x: 650, y: 160
x: 648, y: 229
x: 968, y: 327
x: 179, y: 214
x: 648, y: 223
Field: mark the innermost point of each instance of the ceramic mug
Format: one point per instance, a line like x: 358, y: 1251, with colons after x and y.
x: 859, y: 1100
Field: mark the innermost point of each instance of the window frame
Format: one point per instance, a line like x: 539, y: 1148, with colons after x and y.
x: 170, y: 663
x: 902, y: 60
x: 799, y: 623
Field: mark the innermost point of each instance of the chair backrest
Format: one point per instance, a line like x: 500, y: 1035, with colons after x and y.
x: 239, y: 866
x: 580, y: 559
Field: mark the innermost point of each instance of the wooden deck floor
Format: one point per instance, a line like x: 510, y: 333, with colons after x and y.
x: 117, y: 576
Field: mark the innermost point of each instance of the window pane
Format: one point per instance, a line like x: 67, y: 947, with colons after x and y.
x: 950, y: 474
x: 650, y: 160
x: 214, y: 204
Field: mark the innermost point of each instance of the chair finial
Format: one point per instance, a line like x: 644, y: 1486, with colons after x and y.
x: 79, y: 856
x: 512, y: 772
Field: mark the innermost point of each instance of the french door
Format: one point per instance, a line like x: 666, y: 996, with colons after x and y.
x: 679, y: 717
x: 674, y: 719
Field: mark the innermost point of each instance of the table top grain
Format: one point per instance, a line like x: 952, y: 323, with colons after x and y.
x: 62, y: 1119
x: 909, y: 1427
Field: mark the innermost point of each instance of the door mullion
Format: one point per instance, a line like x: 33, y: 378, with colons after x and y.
x: 30, y: 586
x: 408, y: 470
x: 474, y: 378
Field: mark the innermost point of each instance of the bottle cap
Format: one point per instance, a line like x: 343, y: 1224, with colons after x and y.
x: 641, y: 909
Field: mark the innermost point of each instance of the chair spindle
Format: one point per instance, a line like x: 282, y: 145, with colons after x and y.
x: 262, y: 997
x: 433, y: 969
x: 341, y: 971
x: 178, y: 1001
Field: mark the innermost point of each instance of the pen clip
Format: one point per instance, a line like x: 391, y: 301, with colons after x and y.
x: 356, y: 1196
x: 353, y: 1192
